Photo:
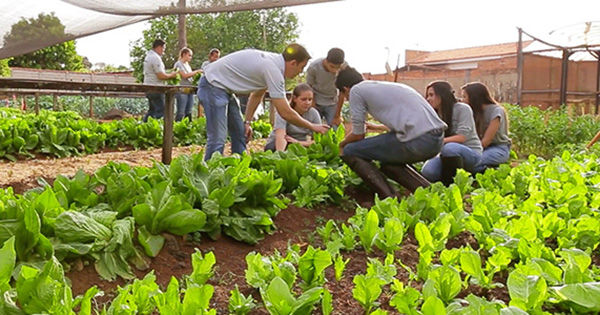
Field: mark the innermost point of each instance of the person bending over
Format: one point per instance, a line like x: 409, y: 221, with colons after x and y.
x: 416, y: 132
x: 251, y: 72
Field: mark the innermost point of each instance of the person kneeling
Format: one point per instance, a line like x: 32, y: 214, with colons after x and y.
x: 416, y: 132
x: 285, y: 133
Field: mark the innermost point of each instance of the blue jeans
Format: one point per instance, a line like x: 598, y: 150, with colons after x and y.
x: 495, y: 155
x: 387, y: 149
x: 327, y: 112
x: 432, y: 170
x: 156, y: 106
x: 185, y: 104
x: 222, y: 112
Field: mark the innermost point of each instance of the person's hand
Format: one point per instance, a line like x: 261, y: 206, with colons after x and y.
x: 336, y: 121
x: 290, y: 139
x: 248, y: 132
x: 341, y: 149
x: 320, y: 128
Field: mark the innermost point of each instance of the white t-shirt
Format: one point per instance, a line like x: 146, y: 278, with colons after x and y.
x: 152, y: 66
x: 247, y: 71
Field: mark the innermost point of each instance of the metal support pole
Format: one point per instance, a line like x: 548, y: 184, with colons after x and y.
x: 520, y: 66
x: 167, y: 148
x: 564, y: 76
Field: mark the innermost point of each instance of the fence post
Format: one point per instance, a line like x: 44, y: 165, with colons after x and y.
x: 167, y: 148
x: 91, y: 106
x: 54, y: 102
x: 37, y: 103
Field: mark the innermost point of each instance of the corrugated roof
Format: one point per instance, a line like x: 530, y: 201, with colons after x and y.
x: 467, y: 53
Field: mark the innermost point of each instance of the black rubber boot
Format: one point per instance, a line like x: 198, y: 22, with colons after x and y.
x: 371, y: 175
x: 449, y: 166
x: 406, y: 176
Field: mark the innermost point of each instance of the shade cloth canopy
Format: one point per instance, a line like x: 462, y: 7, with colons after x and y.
x: 29, y: 25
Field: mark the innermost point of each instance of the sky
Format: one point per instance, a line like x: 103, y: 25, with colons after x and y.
x: 373, y: 32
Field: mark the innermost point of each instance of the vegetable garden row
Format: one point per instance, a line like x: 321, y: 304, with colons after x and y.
x: 532, y: 233
x: 62, y: 134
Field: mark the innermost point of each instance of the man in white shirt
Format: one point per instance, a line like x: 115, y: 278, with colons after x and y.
x: 251, y: 72
x: 155, y: 74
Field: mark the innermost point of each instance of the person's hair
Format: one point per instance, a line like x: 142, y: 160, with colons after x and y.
x: 157, y: 43
x: 184, y: 51
x: 295, y: 52
x: 347, y: 78
x: 214, y: 51
x: 479, y: 95
x: 299, y: 89
x: 444, y: 91
x: 335, y: 56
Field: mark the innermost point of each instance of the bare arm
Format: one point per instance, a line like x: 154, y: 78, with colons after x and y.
x: 337, y: 118
x: 455, y: 138
x: 185, y: 75
x: 490, y: 132
x: 349, y: 139
x: 376, y: 127
x: 287, y: 113
x: 164, y: 76
x: 253, y: 100
x: 280, y: 142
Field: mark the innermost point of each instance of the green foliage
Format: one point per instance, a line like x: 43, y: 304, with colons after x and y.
x: 268, y: 30
x: 548, y: 132
x: 43, y: 28
x: 240, y: 304
x: 367, y: 290
x: 4, y: 69
x: 279, y: 300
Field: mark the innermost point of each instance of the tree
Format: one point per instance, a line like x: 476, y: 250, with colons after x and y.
x: 269, y: 30
x: 45, y: 28
x: 4, y: 69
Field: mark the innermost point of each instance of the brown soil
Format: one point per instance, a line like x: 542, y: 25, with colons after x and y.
x: 294, y: 225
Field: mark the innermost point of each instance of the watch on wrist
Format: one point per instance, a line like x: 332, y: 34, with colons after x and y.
x: 249, y: 122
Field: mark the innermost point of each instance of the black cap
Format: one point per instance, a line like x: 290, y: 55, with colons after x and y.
x: 335, y: 56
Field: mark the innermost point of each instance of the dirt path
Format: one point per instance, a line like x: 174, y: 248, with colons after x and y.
x: 23, y: 175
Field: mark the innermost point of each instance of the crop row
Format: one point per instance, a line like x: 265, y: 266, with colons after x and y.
x: 536, y: 229
x: 63, y: 134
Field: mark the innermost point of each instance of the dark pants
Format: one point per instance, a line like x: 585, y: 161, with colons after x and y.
x: 156, y: 106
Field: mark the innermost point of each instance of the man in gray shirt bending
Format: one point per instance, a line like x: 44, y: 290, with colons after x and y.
x: 155, y: 74
x: 321, y: 75
x: 251, y: 72
x: 416, y: 133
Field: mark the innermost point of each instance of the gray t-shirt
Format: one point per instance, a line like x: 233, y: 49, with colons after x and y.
x: 298, y: 133
x: 322, y: 83
x: 152, y: 66
x: 464, y: 125
x: 396, y: 105
x: 204, y: 64
x: 185, y: 67
x: 491, y: 112
x: 247, y: 71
